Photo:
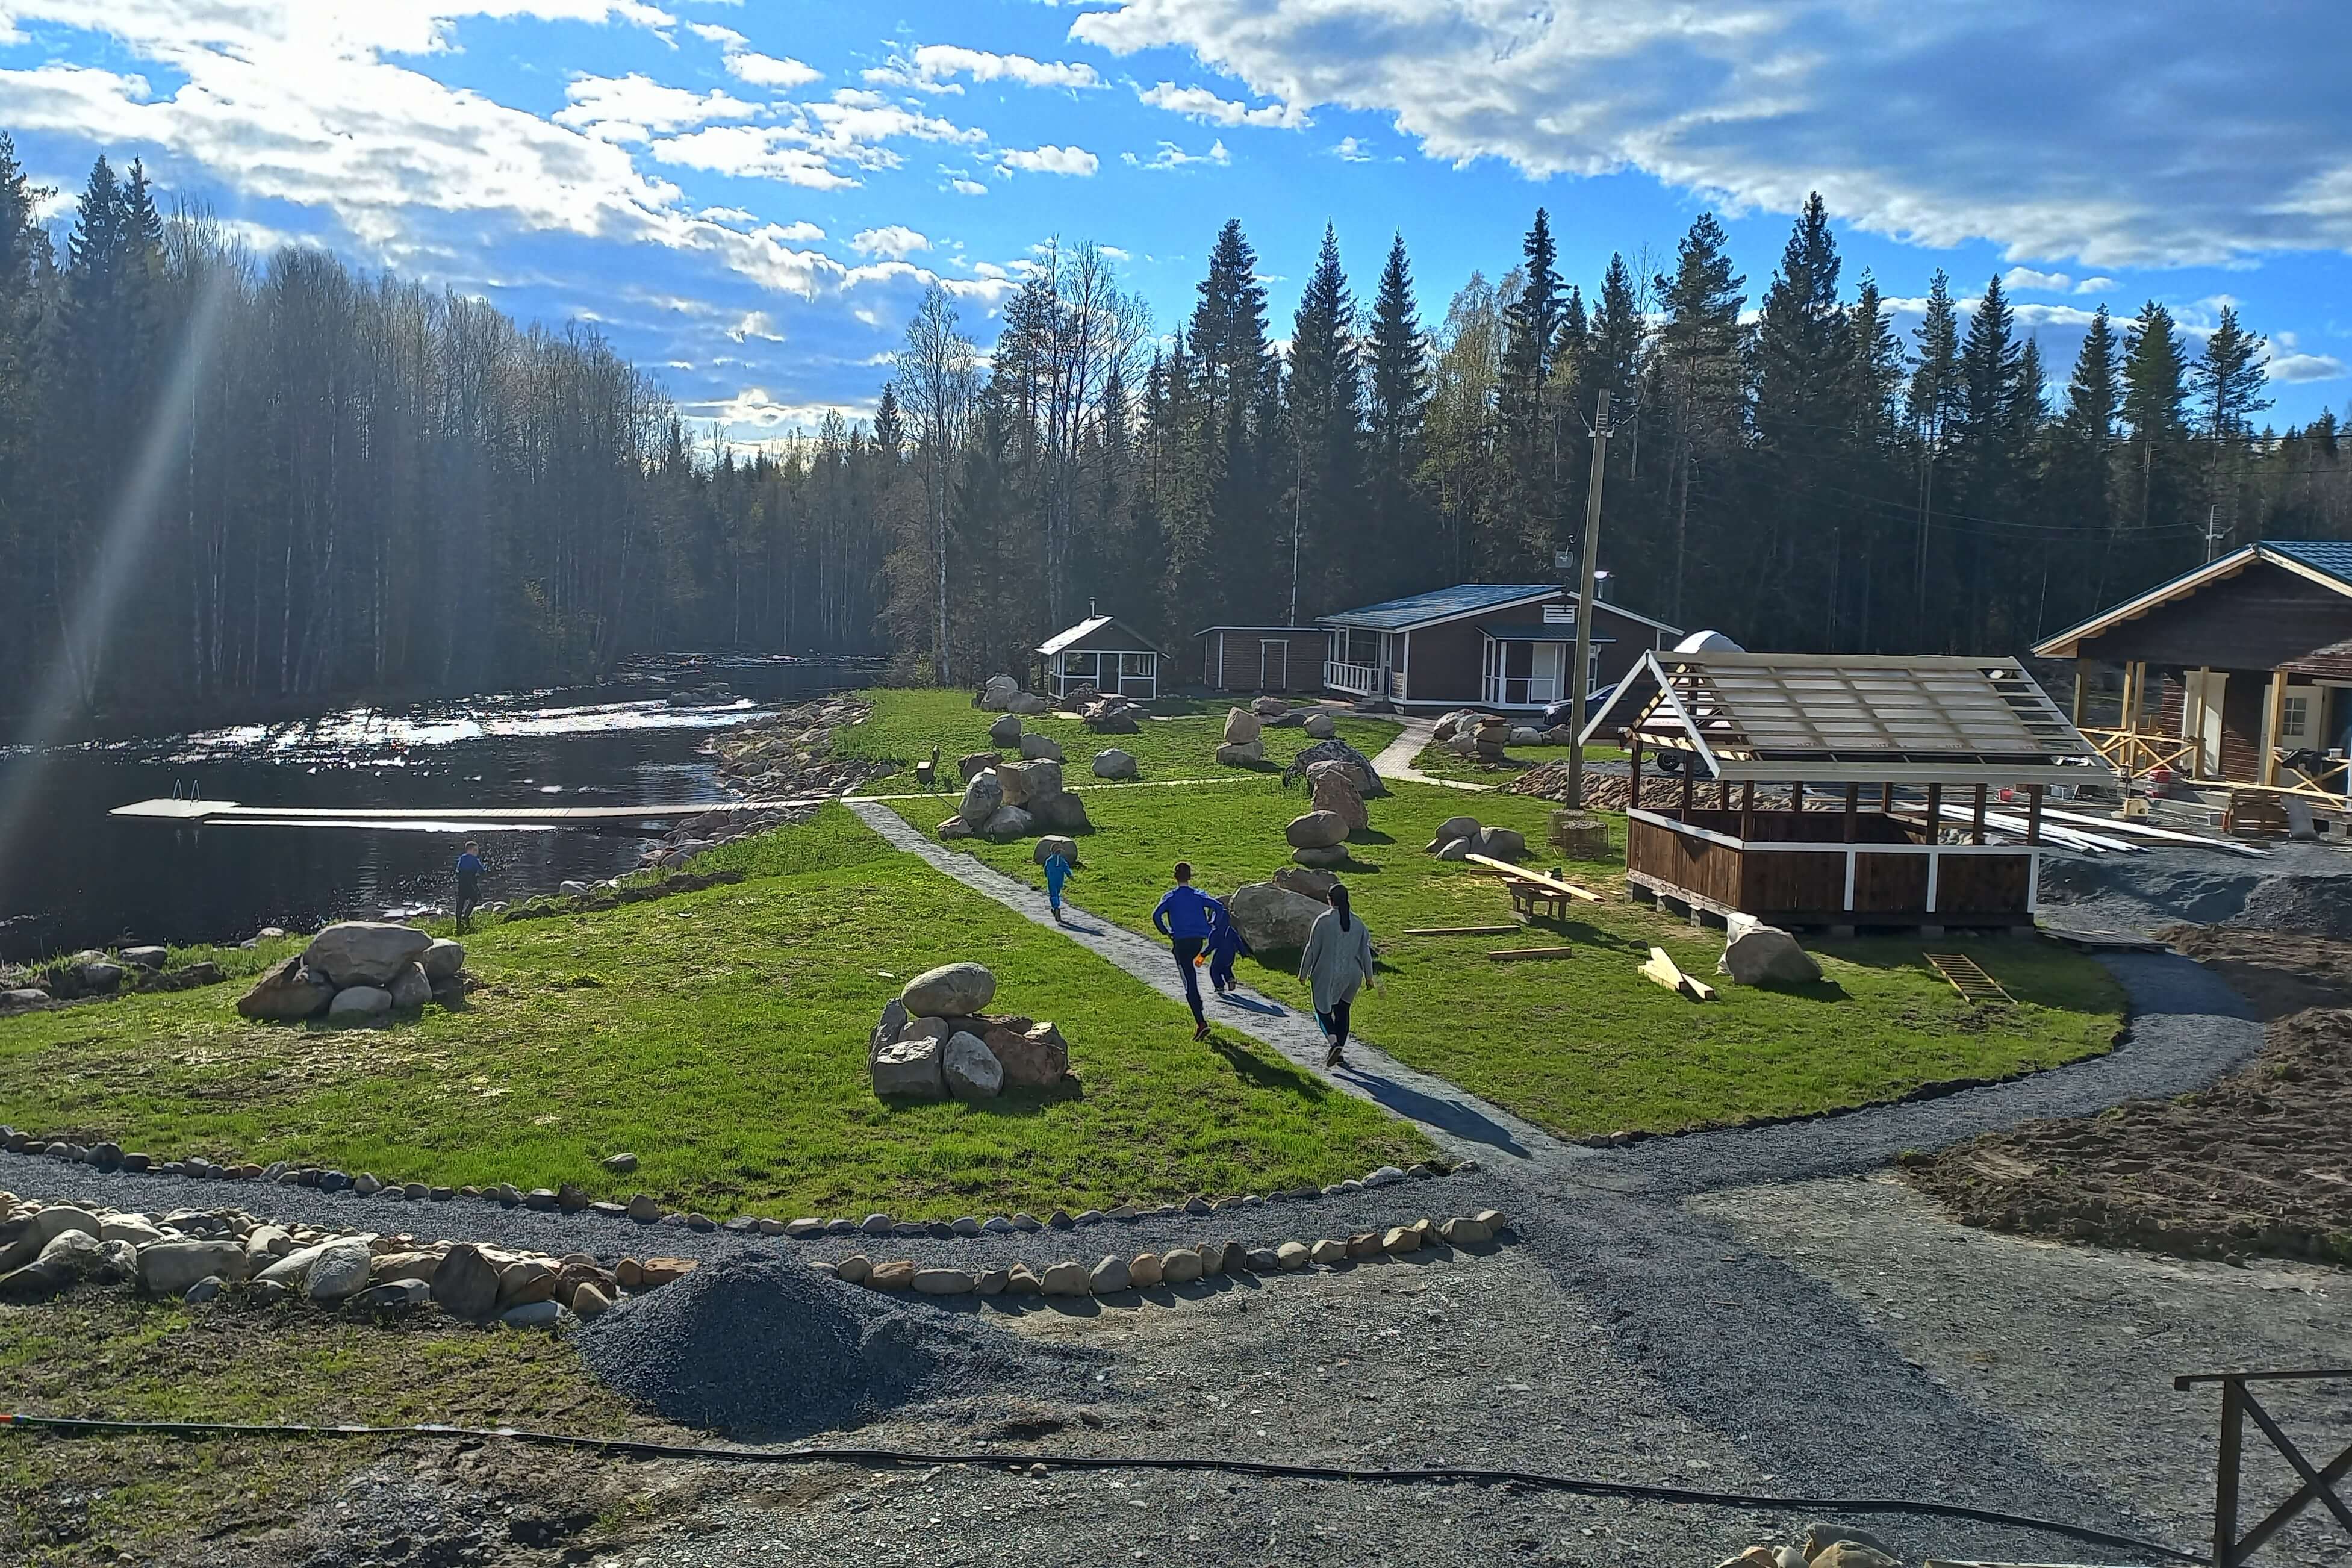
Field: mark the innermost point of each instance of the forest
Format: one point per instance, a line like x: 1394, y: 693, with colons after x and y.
x: 236, y: 481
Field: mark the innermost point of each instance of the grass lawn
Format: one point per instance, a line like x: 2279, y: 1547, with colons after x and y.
x: 907, y: 723
x: 720, y: 1035
x: 1584, y: 1046
x: 112, y: 1357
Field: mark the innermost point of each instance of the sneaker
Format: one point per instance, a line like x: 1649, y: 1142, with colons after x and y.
x: 1332, y: 1058
x: 1201, y: 1031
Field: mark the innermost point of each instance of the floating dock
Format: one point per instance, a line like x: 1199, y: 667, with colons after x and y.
x: 230, y: 812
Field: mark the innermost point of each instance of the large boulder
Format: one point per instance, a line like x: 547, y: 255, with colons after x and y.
x: 1333, y: 787
x: 1109, y: 720
x: 1011, y: 784
x: 1028, y: 702
x: 1321, y: 856
x: 1454, y: 827
x: 1316, y: 830
x: 338, y: 1272
x: 1007, y: 822
x: 1269, y: 707
x: 998, y: 690
x: 1368, y: 783
x: 982, y: 798
x: 169, y: 1267
x: 465, y: 1285
x: 970, y: 1070
x: 1241, y: 726
x: 909, y: 1069
x: 1242, y: 753
x: 364, y: 952
x: 1312, y: 884
x: 1114, y: 764
x: 45, y: 1228
x: 1035, y: 1057
x: 286, y: 993
x: 1755, y: 954
x: 409, y: 990
x: 1502, y: 844
x: 973, y: 763
x: 1005, y: 732
x: 1272, y: 918
x: 1320, y: 726
x: 68, y: 1259
x: 894, y: 1022
x: 442, y: 960
x: 1062, y: 812
x: 1033, y: 746
x: 360, y: 1004
x: 1054, y: 844
x: 950, y: 990
x: 1041, y: 778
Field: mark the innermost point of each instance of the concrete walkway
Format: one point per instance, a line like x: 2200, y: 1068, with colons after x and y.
x: 1395, y: 761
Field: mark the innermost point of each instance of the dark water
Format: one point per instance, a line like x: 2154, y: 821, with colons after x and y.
x: 74, y: 877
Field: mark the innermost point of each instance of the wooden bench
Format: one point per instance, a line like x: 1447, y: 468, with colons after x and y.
x: 1531, y: 898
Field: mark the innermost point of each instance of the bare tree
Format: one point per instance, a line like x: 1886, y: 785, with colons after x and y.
x: 938, y: 380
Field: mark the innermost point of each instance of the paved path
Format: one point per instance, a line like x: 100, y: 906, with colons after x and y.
x: 1395, y: 761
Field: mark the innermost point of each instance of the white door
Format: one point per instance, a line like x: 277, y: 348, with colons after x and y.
x: 2202, y: 693
x: 1551, y: 663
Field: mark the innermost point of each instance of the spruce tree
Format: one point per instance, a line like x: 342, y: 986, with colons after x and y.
x: 1326, y: 411
x: 1526, y: 402
x: 1802, y: 368
x: 1396, y: 403
x: 1699, y: 346
x: 2157, y: 464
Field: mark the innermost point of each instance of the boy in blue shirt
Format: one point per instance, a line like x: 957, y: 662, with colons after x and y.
x: 1057, y: 871
x: 1225, y: 944
x: 470, y: 885
x: 1186, y: 916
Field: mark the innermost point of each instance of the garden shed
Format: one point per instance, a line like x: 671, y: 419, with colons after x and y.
x: 1103, y: 653
x: 1261, y: 659
x: 1882, y: 778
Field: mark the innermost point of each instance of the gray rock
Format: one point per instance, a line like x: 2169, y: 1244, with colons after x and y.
x: 359, y: 1004
x: 970, y: 1070
x: 1007, y: 822
x: 467, y: 1283
x: 1273, y: 919
x: 943, y: 1282
x: 146, y: 957
x: 1115, y: 763
x: 892, y: 1026
x: 1005, y: 732
x: 207, y: 1288
x: 1041, y: 748
x: 285, y: 993
x: 620, y: 1164
x: 532, y: 1315
x: 1755, y: 954
x: 22, y: 997
x: 1063, y: 813
x: 1320, y: 727
x: 70, y: 1257
x: 130, y: 1227
x: 909, y: 1069
x: 170, y: 1268
x: 442, y: 960
x: 364, y: 952
x: 1240, y: 753
x: 101, y: 977
x: 1055, y: 843
x: 393, y: 1296
x: 1502, y: 843
x: 1330, y: 860
x: 950, y: 990
x: 45, y: 1228
x: 997, y: 690
x: 982, y: 798
x: 338, y: 1272
x: 1458, y: 849
x: 1316, y: 830
x: 1242, y: 727
x: 1067, y: 1279
x: 1109, y: 1275
x: 410, y: 989
x: 266, y: 1293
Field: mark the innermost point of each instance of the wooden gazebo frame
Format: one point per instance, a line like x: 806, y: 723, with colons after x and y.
x: 1842, y: 723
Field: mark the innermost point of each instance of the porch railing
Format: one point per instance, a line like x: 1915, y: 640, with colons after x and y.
x: 2137, y: 751
x: 1356, y: 680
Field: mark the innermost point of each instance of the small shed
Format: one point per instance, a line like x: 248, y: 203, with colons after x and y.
x: 1928, y: 741
x: 1261, y: 659
x: 1103, y: 653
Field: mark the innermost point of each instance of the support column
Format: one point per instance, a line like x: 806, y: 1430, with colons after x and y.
x: 1853, y: 812
x: 2079, y: 690
x: 2273, y: 724
x: 1690, y: 783
x: 2193, y: 725
x: 2032, y: 815
x: 1935, y: 810
x: 1976, y: 829
x: 1633, y: 751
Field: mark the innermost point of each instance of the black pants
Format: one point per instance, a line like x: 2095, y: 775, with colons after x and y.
x: 1187, y: 949
x: 469, y: 894
x: 1335, y: 1023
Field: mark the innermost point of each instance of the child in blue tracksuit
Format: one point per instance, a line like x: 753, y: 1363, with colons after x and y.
x: 1057, y: 871
x: 1225, y: 944
x: 1186, y: 916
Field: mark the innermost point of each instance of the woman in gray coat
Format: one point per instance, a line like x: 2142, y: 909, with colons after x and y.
x: 1338, y: 958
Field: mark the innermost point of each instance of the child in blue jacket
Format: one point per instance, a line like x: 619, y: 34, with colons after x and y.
x: 1225, y: 944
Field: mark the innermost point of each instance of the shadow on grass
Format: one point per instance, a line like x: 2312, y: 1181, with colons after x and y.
x: 1261, y: 1072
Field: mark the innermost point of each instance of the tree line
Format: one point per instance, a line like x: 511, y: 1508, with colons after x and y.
x: 227, y: 479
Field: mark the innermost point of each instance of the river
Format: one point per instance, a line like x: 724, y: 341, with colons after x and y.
x: 76, y: 876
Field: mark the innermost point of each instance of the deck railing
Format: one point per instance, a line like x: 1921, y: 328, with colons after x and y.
x: 1363, y: 681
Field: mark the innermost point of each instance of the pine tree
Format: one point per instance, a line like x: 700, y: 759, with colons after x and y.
x: 1874, y: 474
x: 1526, y: 407
x: 2157, y: 468
x: 1326, y: 411
x: 2227, y: 383
x: 1397, y: 399
x: 2080, y: 490
x: 1236, y: 391
x: 1802, y: 363
x: 1700, y: 345
x: 1931, y: 407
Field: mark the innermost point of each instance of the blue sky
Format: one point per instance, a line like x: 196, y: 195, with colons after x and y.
x: 746, y: 196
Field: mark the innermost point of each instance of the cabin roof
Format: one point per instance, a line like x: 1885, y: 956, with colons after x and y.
x: 1851, y: 719
x: 2327, y: 562
x: 1089, y: 627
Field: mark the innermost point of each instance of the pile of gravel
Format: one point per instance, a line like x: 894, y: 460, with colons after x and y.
x: 768, y: 1349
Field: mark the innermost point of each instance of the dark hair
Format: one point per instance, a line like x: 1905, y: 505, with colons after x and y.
x: 1339, y: 902
x: 1183, y: 870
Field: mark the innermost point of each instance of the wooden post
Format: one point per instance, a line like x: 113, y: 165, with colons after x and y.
x: 2135, y: 691
x: 2034, y: 813
x: 2192, y: 728
x: 1976, y: 829
x: 1797, y: 795
x: 1748, y: 809
x: 1633, y: 751
x: 1853, y: 812
x: 2273, y: 724
x: 1690, y: 783
x: 2078, y: 690
x: 1722, y: 795
x: 1886, y: 799
x: 1935, y: 811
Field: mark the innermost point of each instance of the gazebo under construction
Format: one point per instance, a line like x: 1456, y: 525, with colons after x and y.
x: 1936, y: 744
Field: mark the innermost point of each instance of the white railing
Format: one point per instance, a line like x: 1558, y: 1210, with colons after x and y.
x: 1356, y: 680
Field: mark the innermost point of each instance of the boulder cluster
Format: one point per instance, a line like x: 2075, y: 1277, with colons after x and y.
x: 1469, y: 733
x: 1244, y: 745
x: 1824, y: 1546
x: 709, y: 829
x: 1004, y: 800
x: 793, y: 755
x: 89, y: 975
x: 1459, y: 838
x: 1003, y: 694
x: 1278, y: 916
x: 1104, y: 715
x: 199, y: 1255
x: 934, y: 1042
x: 1318, y: 838
x: 357, y: 972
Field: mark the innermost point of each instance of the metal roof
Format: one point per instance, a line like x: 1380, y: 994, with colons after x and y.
x: 1295, y: 631
x: 1849, y: 719
x: 1443, y: 604
x: 1087, y: 628
x: 2327, y: 562
x: 1540, y: 631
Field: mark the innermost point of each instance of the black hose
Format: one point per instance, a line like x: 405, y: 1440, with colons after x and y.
x: 637, y: 1449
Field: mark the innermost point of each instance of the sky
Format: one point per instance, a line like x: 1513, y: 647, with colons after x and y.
x: 747, y: 197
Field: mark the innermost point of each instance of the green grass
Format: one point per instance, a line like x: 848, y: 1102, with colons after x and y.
x: 720, y: 1035
x: 1584, y: 1046
x: 907, y: 723
x: 71, y: 1500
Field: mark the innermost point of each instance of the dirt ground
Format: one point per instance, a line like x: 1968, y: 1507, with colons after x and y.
x: 2259, y: 1164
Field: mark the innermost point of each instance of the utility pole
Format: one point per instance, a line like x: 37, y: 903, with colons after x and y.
x: 1588, y: 557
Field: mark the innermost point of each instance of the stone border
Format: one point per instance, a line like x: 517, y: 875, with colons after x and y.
x: 646, y: 1209
x: 1113, y: 1275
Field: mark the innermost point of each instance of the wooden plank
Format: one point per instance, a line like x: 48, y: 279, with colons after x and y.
x: 1516, y: 952
x: 1463, y: 930
x: 1662, y: 969
x: 2163, y: 835
x: 1570, y: 888
x: 1972, y: 981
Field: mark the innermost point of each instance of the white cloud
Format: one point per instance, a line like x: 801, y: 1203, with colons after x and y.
x: 767, y: 71
x: 1172, y: 157
x: 640, y: 102
x: 1200, y: 103
x: 933, y: 67
x: 1351, y: 151
x: 964, y: 186
x: 895, y: 240
x: 1047, y: 160
x: 2027, y: 280
x: 756, y: 324
x: 726, y: 37
x: 1755, y: 104
x: 2292, y: 368
x: 2095, y: 285
x: 752, y: 152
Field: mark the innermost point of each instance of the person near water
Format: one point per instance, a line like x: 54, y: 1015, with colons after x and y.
x: 1057, y: 871
x: 1225, y: 944
x: 1337, y: 961
x: 469, y: 884
x: 1186, y: 916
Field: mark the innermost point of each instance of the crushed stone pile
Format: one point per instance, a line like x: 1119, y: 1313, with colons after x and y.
x: 1602, y: 792
x: 762, y: 1348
